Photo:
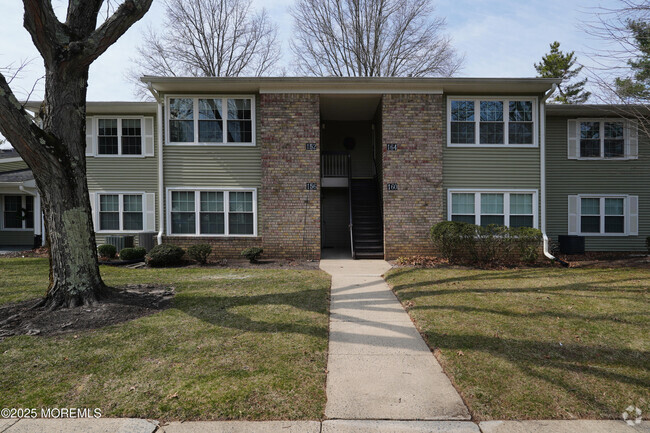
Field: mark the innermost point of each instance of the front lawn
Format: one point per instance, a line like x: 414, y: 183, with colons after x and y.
x: 236, y: 344
x: 537, y: 343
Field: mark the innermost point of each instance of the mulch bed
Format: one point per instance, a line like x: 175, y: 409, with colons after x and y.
x: 124, y: 304
x: 607, y: 260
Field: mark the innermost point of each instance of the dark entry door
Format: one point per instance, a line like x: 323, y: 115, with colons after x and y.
x: 335, y: 218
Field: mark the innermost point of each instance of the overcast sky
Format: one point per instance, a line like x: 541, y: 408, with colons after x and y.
x: 499, y: 38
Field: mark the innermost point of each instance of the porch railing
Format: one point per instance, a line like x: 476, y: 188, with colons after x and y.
x: 335, y: 164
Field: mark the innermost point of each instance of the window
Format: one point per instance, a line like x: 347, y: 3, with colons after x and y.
x: 500, y: 122
x: 121, y: 212
x: 509, y: 208
x: 602, y: 139
x: 119, y: 136
x: 211, y: 120
x: 600, y: 215
x: 18, y: 212
x: 212, y: 213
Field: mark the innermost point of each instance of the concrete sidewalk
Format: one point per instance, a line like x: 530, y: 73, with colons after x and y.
x: 379, y: 367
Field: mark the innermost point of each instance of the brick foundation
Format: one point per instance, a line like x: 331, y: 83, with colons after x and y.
x: 289, y: 213
x: 222, y: 248
x: 414, y: 123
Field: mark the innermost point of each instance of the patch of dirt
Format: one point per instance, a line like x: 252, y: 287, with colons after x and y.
x: 607, y: 260
x: 38, y: 252
x: 299, y: 265
x: 124, y: 304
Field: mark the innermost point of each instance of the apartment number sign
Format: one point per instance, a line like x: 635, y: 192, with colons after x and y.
x: 392, y: 187
x: 312, y: 186
x: 311, y: 146
x: 391, y: 147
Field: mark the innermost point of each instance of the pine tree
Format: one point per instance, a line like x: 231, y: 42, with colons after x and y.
x: 558, y: 64
x: 637, y: 87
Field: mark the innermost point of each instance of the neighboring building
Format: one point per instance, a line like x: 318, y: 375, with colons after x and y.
x: 304, y: 165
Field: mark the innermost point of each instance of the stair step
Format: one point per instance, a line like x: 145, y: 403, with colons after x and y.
x: 361, y: 255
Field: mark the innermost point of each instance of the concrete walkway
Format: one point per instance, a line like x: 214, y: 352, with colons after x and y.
x: 379, y: 367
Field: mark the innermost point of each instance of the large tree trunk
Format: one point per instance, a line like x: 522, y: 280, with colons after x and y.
x: 75, y: 278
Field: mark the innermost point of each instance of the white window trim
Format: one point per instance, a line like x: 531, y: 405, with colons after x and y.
x: 95, y: 120
x: 506, y: 202
x: 626, y: 214
x: 197, y: 210
x: 506, y: 120
x: 121, y: 210
x: 195, y: 98
x: 23, y: 205
x: 602, y: 121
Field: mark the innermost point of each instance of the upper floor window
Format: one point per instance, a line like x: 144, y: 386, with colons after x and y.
x: 504, y: 208
x: 18, y: 212
x: 602, y: 139
x: 211, y: 120
x: 119, y: 136
x: 491, y: 122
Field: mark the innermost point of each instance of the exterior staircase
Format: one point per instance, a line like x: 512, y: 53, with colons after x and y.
x: 367, y: 226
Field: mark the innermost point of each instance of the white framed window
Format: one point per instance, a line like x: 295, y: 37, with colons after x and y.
x: 17, y: 212
x: 511, y: 208
x: 119, y: 136
x: 123, y: 212
x: 212, y: 212
x: 216, y: 120
x: 603, y: 215
x: 491, y: 122
x: 602, y: 139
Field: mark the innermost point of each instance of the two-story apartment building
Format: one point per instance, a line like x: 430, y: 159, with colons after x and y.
x: 302, y: 166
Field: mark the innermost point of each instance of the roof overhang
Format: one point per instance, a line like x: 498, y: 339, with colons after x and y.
x: 349, y: 85
x: 109, y: 107
x: 597, y: 110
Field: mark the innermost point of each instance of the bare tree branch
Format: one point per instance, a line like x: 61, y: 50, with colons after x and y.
x: 371, y: 38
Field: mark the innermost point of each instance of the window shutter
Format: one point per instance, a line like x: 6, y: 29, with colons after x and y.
x: 633, y: 212
x: 150, y: 212
x: 574, y: 202
x: 93, y: 208
x: 147, y: 137
x: 90, y: 137
x: 573, y: 142
x: 631, y: 139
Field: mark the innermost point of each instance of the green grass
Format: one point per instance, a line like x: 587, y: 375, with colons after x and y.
x: 537, y: 343
x: 236, y: 344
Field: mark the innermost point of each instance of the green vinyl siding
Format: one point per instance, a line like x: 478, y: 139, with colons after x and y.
x: 566, y: 177
x: 12, y: 166
x: 503, y: 168
x: 17, y: 238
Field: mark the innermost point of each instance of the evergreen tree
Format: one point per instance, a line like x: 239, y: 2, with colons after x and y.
x: 558, y: 64
x: 637, y: 87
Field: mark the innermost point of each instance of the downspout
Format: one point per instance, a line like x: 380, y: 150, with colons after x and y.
x: 161, y: 188
x: 542, y: 140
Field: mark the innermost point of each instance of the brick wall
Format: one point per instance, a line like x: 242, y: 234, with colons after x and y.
x: 414, y: 123
x: 289, y: 213
x: 222, y: 248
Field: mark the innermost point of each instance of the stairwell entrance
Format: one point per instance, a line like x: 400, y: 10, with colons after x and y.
x: 351, y: 202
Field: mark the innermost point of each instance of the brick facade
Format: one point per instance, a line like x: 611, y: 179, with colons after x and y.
x: 414, y: 123
x: 289, y: 213
x: 222, y: 248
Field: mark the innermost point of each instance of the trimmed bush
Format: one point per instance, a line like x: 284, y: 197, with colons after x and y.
x: 199, y: 253
x: 136, y: 253
x: 460, y: 242
x: 165, y: 255
x: 107, y: 251
x: 252, y: 254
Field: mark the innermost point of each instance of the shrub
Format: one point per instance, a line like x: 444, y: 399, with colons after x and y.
x: 136, y: 253
x: 107, y: 251
x: 164, y: 255
x: 468, y: 243
x: 199, y: 253
x: 252, y: 253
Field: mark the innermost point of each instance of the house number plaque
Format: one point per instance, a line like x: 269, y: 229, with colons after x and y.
x: 311, y: 186
x: 392, y: 187
x: 311, y: 146
x: 391, y: 146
